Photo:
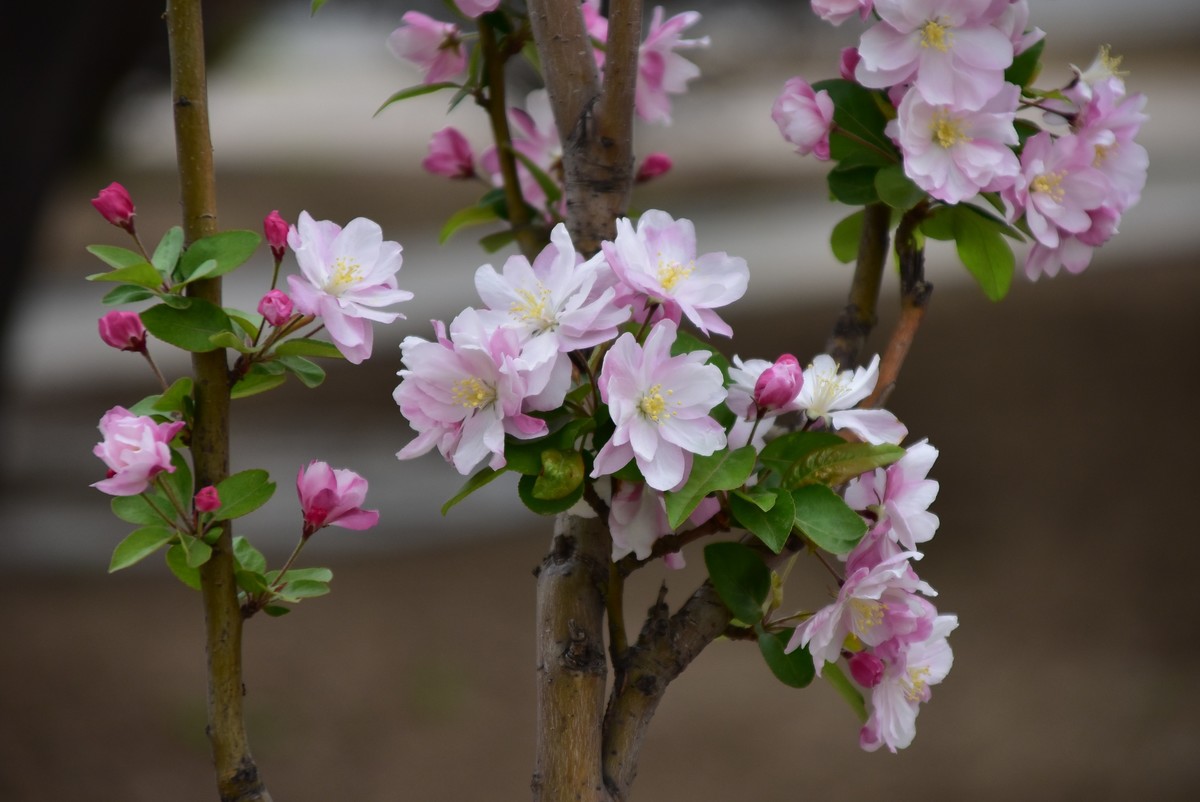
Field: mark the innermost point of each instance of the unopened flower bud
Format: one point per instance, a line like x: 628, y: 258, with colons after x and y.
x: 123, y: 330
x: 276, y: 307
x: 276, y: 229
x: 866, y: 668
x: 804, y: 117
x: 115, y: 205
x: 207, y: 500
x: 450, y: 154
x: 849, y: 61
x: 654, y: 165
x: 779, y: 384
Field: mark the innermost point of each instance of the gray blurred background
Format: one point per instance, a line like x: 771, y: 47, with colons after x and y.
x: 1063, y: 415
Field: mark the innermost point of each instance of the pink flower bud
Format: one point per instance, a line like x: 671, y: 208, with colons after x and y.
x: 779, y: 384
x: 654, y: 165
x: 115, y: 205
x: 804, y: 117
x: 849, y: 61
x: 450, y: 154
x: 331, y: 497
x: 276, y: 229
x: 276, y: 307
x: 207, y: 500
x: 866, y: 668
x: 124, y: 331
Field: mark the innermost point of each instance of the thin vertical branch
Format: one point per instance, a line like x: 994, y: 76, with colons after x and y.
x: 854, y: 325
x: 237, y: 774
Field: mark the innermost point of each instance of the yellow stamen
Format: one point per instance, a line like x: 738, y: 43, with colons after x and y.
x: 532, y: 306
x: 1111, y: 63
x: 1051, y: 184
x: 936, y: 35
x: 1102, y: 154
x: 671, y: 273
x: 914, y: 690
x: 345, y: 275
x: 472, y: 393
x: 653, y: 405
x: 947, y: 131
x: 867, y: 613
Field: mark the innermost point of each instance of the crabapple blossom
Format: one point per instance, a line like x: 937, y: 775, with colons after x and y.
x: 534, y: 136
x: 276, y: 230
x: 662, y: 72
x: 848, y: 63
x: 1014, y: 21
x: 449, y: 154
x: 658, y: 261
x: 207, y: 499
x: 1109, y: 121
x: 135, y: 448
x: 1074, y: 251
x: 838, y: 11
x: 332, y: 497
x: 115, y: 206
x: 660, y: 405
x: 276, y: 307
x: 123, y: 331
x: 829, y: 394
x: 464, y: 392
x: 475, y: 8
x: 1057, y: 187
x: 900, y: 495
x: 348, y: 274
x: 951, y: 50
x: 433, y: 47
x: 638, y: 517
x: 804, y: 117
x: 653, y: 166
x: 954, y: 154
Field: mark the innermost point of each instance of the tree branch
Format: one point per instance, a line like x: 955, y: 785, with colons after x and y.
x: 237, y: 774
x: 854, y: 325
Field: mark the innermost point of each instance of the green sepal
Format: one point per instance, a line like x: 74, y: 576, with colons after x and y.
x: 483, y: 477
x: 308, y: 347
x: 127, y: 294
x: 546, y: 506
x: 229, y: 249
x: 832, y: 673
x: 138, y: 545
x: 561, y: 474
x: 257, y: 380
x: 243, y: 493
x: 414, y: 91
x: 166, y: 254
x: 793, y: 669
x: 835, y: 464
x: 177, y: 562
x: 308, y: 372
x: 845, y: 237
x: 142, y: 274
x: 191, y: 329
x: 740, y: 578
x: 722, y: 470
x: 773, y: 526
x: 827, y: 520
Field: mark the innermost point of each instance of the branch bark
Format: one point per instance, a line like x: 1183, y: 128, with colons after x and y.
x: 854, y: 325
x: 237, y: 774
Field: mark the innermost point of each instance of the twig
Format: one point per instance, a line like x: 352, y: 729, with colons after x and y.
x: 854, y: 325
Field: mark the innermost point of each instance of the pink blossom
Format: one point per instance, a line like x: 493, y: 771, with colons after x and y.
x: 658, y: 261
x: 348, y: 274
x: 333, y: 497
x: 276, y: 229
x: 535, y: 136
x: 1013, y: 21
x: 1108, y: 122
x: 653, y: 166
x: 476, y: 8
x: 848, y: 63
x: 660, y: 405
x: 207, y: 499
x: 838, y: 11
x: 1057, y: 187
x: 135, y: 448
x: 115, y: 205
x: 950, y: 49
x: 124, y: 331
x: 450, y: 154
x: 433, y: 47
x: 954, y: 154
x: 900, y: 495
x: 662, y: 71
x: 804, y: 117
x: 463, y: 393
x: 276, y: 307
x: 744, y: 376
x: 597, y: 28
x: 830, y: 394
x: 638, y: 517
x: 779, y: 384
x: 1074, y: 251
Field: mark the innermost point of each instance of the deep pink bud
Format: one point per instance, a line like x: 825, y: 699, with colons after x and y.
x: 115, y: 205
x: 866, y: 668
x: 276, y: 307
x: 276, y: 229
x: 123, y: 330
x: 779, y: 384
x: 848, y: 63
x: 207, y: 500
x: 654, y: 165
x: 450, y: 154
x: 332, y: 497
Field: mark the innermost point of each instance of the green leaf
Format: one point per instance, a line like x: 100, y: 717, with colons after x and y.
x: 308, y: 372
x: 205, y: 270
x: 854, y: 186
x: 258, y: 380
x: 168, y: 250
x: 832, y: 465
x: 781, y: 453
x: 471, y: 216
x: 494, y: 242
x: 939, y: 224
x: 723, y: 470
x: 116, y: 257
x: 832, y: 673
x: 302, y: 589
x: 546, y: 506
x: 316, y: 6
x: 248, y: 557
x: 561, y: 473
x: 795, y: 669
x: 483, y: 477
x: 896, y: 189
x: 414, y: 91
x: 276, y: 610
x: 859, y: 112
x: 191, y: 329
x: 740, y: 579
x: 314, y: 574
x: 196, y: 552
x: 177, y: 562
x: 845, y: 236
x: 760, y: 497
x: 826, y: 520
x: 175, y: 398
x: 174, y: 301
x: 243, y: 493
x: 253, y: 582
x: 227, y: 339
x: 142, y: 274
x: 179, y: 480
x: 986, y: 255
x: 139, y: 509
x: 1025, y: 67
x: 138, y: 545
x: 248, y: 322
x: 230, y: 249
x: 307, y: 347
x: 773, y: 526
x: 126, y: 294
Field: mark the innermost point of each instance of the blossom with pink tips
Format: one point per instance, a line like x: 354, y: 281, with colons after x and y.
x: 276, y: 307
x: 123, y: 331
x: 348, y: 275
x: 207, y: 499
x: 1074, y: 251
x: 433, y: 47
x: 658, y: 261
x: 804, y: 117
x: 332, y: 497
x: 276, y: 230
x: 638, y: 517
x: 951, y: 50
x: 1014, y: 21
x: 115, y: 206
x: 450, y: 154
x: 1109, y: 121
x: 135, y: 448
x: 830, y: 394
x: 660, y: 405
x: 900, y: 495
x: 838, y: 11
x: 1057, y: 187
x: 662, y: 72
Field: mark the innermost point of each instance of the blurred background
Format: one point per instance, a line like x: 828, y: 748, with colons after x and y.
x: 1063, y: 415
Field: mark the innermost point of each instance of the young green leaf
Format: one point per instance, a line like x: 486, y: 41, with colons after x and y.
x: 190, y: 329
x: 857, y: 112
x: 561, y: 474
x: 248, y: 557
x: 258, y: 380
x: 1025, y: 67
x: 826, y: 520
x: 116, y: 257
x: 844, y: 238
x: 314, y: 574
x: 414, y: 91
x: 178, y: 563
x: 227, y: 339
x: 142, y: 274
x: 155, y: 510
x: 168, y: 250
x: 546, y: 506
x: 138, y: 545
x: 740, y: 579
x: 248, y: 322
x: 854, y: 186
x: 835, y: 464
x: 795, y: 669
x: 229, y: 249
x: 781, y: 453
x: 307, y: 347
x: 195, y: 551
x: 724, y: 470
x: 302, y: 589
x: 308, y: 372
x: 126, y: 294
x: 470, y: 216
x: 483, y: 477
x: 896, y: 189
x: 985, y: 254
x: 173, y: 400
x: 771, y: 526
x: 243, y: 493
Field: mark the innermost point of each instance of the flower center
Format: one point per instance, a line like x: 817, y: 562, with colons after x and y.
x: 1102, y: 154
x: 345, y: 275
x: 671, y: 272
x: 867, y: 613
x: 1110, y: 63
x: 935, y: 34
x: 471, y: 393
x: 531, y: 308
x: 828, y: 388
x: 947, y: 131
x: 653, y: 405
x: 1050, y: 184
x: 915, y: 688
